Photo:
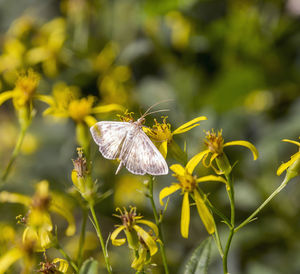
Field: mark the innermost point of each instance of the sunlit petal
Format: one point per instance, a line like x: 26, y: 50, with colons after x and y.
x: 7, y: 197
x: 178, y: 169
x: 44, y: 98
x: 117, y: 242
x: 4, y: 96
x: 150, y: 224
x: 163, y: 148
x: 9, y: 258
x: 90, y: 120
x: 147, y: 238
x: 204, y: 213
x: 189, y: 125
x: 108, y: 108
x: 245, y: 144
x: 195, y: 161
x: 167, y: 191
x: 284, y: 166
x: 185, y: 216
x: 63, y: 264
x: 292, y: 142
x: 211, y: 178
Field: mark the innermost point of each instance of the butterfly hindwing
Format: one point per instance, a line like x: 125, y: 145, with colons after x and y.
x: 109, y: 136
x: 143, y: 157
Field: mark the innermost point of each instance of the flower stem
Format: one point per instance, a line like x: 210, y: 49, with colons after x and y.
x: 82, y: 237
x: 230, y: 191
x: 158, y: 223
x: 67, y: 257
x: 250, y: 218
x: 99, y: 235
x: 16, y: 151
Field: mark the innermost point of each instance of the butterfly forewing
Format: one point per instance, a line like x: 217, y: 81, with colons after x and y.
x: 144, y: 157
x: 110, y: 136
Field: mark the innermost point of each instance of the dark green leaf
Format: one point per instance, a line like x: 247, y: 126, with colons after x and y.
x: 90, y: 266
x: 198, y: 262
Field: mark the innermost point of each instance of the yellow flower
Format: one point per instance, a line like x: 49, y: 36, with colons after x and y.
x: 293, y: 165
x: 38, y: 220
x: 162, y: 135
x: 56, y: 266
x: 24, y: 91
x: 188, y: 185
x: 215, y: 145
x: 134, y: 233
x: 66, y: 104
x: 49, y: 46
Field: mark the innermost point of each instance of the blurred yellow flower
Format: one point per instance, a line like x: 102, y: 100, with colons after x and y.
x: 215, y: 145
x: 66, y: 104
x: 293, y: 165
x: 162, y: 135
x: 127, y: 191
x: 188, y: 185
x: 180, y: 29
x: 38, y: 221
x: 56, y: 266
x: 49, y: 46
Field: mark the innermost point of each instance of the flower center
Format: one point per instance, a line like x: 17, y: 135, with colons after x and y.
x: 214, y: 142
x: 161, y: 132
x: 79, y: 109
x: 187, y: 182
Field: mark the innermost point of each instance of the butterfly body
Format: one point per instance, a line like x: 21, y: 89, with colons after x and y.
x: 128, y: 142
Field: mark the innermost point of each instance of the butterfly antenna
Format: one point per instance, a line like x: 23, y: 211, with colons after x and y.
x: 158, y: 103
x: 161, y: 110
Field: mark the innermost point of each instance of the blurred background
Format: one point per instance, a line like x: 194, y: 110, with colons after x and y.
x: 236, y: 62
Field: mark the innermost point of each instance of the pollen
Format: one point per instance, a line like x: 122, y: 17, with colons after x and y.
x: 187, y: 182
x: 161, y: 131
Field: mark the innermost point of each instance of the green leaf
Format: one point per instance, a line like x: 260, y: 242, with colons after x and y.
x: 198, y: 262
x: 90, y: 266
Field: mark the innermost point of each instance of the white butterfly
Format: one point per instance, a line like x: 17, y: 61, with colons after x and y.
x: 128, y: 142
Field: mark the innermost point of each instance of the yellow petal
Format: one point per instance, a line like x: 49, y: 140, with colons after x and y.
x: 284, y: 166
x: 107, y: 108
x: 153, y: 226
x: 167, y: 191
x: 4, y: 96
x: 139, y: 263
x: 63, y: 210
x: 189, y: 125
x: 292, y: 142
x: 195, y: 161
x: 9, y: 258
x: 245, y: 144
x: 7, y: 197
x: 117, y: 242
x: 178, y: 169
x: 90, y: 120
x: 211, y: 178
x: 44, y: 98
x: 147, y: 238
x: 185, y: 216
x: 204, y: 213
x: 63, y: 264
x: 163, y: 149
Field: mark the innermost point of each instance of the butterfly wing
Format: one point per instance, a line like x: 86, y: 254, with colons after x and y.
x: 109, y: 136
x: 144, y: 157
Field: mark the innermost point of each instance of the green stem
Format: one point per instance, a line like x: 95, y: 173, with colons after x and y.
x: 225, y: 268
x: 67, y: 257
x: 15, y: 152
x: 97, y: 227
x: 158, y: 223
x: 82, y: 238
x: 249, y: 219
x: 230, y: 191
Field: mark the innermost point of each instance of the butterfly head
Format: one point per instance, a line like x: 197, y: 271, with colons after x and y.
x: 141, y: 120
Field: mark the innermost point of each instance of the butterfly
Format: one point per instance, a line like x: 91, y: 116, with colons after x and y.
x: 128, y: 142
